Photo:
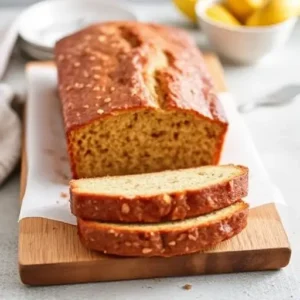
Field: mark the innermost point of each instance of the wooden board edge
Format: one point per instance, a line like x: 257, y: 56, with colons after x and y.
x: 90, y: 271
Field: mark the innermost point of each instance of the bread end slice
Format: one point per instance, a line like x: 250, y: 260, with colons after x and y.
x: 165, y: 239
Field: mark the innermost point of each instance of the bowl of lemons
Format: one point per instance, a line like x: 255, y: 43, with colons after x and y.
x: 245, y: 31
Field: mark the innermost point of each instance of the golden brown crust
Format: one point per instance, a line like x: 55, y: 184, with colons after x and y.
x: 161, y: 207
x: 161, y: 242
x: 107, y: 61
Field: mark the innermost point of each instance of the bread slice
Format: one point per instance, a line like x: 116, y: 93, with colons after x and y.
x: 165, y: 239
x: 162, y: 196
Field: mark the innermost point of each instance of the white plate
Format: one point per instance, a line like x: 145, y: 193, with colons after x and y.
x: 46, y: 22
x: 36, y: 52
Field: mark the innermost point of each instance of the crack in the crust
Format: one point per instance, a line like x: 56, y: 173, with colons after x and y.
x: 160, y: 94
x: 169, y: 57
x: 157, y: 62
x: 154, y: 79
x: 128, y: 35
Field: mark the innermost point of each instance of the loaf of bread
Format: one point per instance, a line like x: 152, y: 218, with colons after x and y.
x: 158, y: 197
x: 137, y: 98
x: 164, y: 239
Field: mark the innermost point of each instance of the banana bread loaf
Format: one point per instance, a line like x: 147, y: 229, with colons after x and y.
x: 157, y: 197
x: 136, y: 98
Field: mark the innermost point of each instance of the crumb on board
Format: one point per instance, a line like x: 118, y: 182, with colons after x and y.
x: 63, y: 195
x: 187, y: 286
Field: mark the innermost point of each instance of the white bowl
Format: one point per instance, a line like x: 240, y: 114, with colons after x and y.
x: 44, y: 23
x: 242, y: 44
x: 35, y: 52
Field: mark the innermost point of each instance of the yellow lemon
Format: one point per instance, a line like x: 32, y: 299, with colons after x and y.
x: 254, y: 20
x: 219, y: 13
x: 275, y: 11
x: 242, y: 9
x: 187, y: 7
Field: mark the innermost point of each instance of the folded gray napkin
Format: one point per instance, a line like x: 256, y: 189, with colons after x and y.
x: 10, y: 133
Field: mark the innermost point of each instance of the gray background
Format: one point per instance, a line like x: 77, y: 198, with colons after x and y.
x: 276, y: 133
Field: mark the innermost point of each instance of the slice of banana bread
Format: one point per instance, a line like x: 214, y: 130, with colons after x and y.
x: 161, y: 196
x: 165, y: 239
x: 137, y: 98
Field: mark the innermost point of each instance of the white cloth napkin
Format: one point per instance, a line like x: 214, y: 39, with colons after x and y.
x: 48, y: 169
x: 10, y: 133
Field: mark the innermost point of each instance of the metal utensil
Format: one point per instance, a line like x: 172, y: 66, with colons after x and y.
x: 283, y: 96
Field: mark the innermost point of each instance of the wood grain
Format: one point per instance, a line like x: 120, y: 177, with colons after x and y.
x: 51, y: 253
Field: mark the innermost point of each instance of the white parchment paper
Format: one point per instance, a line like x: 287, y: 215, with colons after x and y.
x: 46, y: 193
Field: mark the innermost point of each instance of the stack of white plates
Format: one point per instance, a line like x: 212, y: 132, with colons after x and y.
x: 42, y: 24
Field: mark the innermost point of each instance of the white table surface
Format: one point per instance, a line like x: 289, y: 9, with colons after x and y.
x: 276, y: 133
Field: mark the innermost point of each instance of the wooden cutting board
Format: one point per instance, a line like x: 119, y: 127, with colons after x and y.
x: 50, y: 251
